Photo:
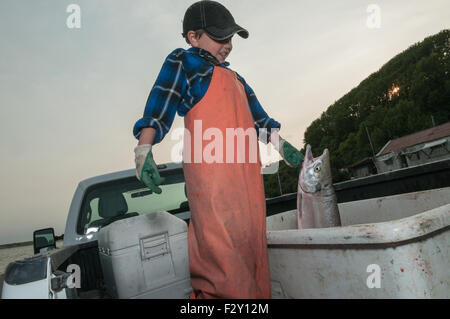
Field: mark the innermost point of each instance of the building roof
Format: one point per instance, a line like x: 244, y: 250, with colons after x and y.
x: 420, y: 137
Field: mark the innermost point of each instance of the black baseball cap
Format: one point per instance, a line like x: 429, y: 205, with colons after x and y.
x: 213, y: 18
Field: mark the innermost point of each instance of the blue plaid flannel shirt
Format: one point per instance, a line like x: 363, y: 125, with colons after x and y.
x: 182, y: 82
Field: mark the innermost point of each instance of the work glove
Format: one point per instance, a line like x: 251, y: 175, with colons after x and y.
x: 291, y: 156
x: 146, y: 169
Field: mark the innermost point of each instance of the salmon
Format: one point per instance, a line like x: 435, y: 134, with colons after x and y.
x: 316, y: 198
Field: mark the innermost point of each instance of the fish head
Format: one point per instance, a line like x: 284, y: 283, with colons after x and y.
x: 316, y: 171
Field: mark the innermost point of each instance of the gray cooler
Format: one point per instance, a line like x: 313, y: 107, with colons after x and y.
x: 146, y: 257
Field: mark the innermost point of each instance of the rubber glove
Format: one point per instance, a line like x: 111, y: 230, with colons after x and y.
x: 291, y: 156
x: 146, y: 169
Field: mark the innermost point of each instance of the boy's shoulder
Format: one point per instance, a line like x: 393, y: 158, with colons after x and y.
x: 176, y: 55
x: 182, y: 55
x: 191, y: 60
x: 178, y: 52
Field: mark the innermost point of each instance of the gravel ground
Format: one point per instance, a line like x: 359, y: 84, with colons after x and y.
x: 8, y: 255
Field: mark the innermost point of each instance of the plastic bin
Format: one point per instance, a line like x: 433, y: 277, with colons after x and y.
x: 401, y: 258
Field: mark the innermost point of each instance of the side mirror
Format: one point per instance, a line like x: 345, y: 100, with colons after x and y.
x: 44, y: 240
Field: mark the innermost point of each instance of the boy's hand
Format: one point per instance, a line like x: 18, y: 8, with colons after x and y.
x: 146, y: 169
x: 292, y: 157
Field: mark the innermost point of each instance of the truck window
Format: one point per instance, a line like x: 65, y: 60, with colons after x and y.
x: 107, y: 202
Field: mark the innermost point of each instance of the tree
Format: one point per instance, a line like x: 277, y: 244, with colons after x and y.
x: 398, y: 99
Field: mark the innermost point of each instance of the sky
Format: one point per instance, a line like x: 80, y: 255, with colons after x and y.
x: 69, y: 97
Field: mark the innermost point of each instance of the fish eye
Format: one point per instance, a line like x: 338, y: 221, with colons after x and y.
x: 317, y: 169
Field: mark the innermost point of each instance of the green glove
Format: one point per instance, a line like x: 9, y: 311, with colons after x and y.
x: 146, y: 169
x: 291, y: 155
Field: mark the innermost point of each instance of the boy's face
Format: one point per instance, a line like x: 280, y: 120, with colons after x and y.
x: 219, y: 49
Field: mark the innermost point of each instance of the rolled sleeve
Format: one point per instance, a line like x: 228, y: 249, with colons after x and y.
x: 150, y: 122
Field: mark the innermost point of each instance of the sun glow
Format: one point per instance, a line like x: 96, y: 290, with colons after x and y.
x: 394, y: 91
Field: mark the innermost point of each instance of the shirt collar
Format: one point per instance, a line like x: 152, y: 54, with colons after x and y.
x: 207, y: 56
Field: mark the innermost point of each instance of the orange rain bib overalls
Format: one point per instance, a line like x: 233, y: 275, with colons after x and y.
x: 227, y: 230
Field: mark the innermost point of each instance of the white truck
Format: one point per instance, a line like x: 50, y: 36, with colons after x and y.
x: 122, y: 241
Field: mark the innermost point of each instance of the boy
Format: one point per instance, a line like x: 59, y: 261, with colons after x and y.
x: 227, y: 230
